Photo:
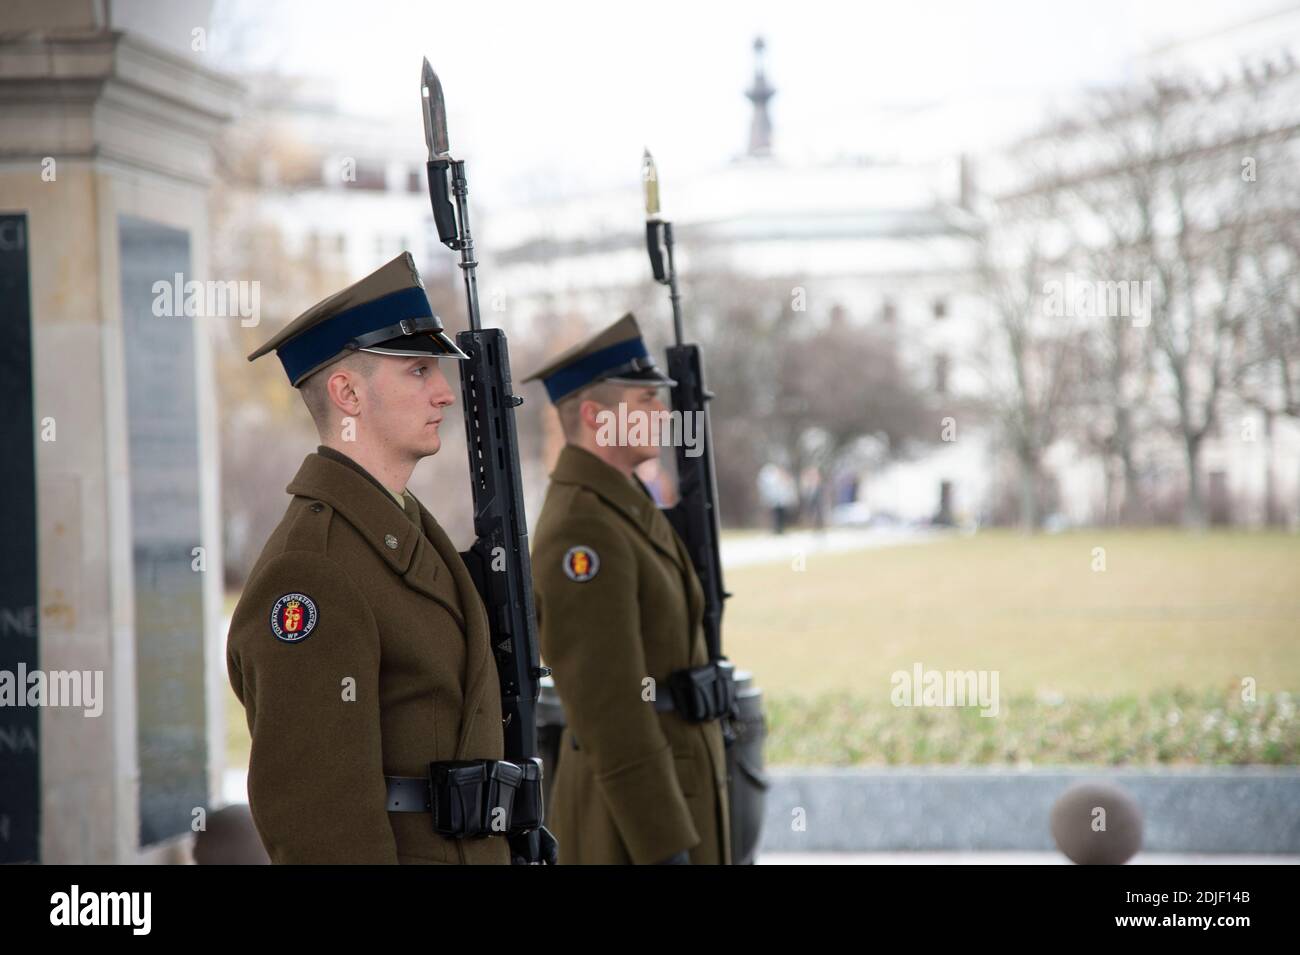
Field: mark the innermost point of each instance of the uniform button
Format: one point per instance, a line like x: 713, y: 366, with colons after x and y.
x: 317, y: 507
x: 391, y: 541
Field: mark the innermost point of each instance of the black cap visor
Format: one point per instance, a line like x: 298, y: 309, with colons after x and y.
x: 649, y: 379
x: 640, y: 371
x: 412, y: 337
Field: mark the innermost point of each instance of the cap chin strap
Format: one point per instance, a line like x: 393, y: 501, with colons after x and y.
x: 642, y: 382
x: 646, y: 363
x: 637, y: 364
x: 640, y: 363
x: 407, y: 326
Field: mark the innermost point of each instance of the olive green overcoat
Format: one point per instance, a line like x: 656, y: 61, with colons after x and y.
x: 377, y: 663
x: 619, y: 609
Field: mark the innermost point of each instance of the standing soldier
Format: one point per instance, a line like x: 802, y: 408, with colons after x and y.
x: 359, y: 647
x: 641, y: 776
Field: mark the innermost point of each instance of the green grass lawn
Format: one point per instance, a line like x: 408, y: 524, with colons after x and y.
x: 1170, y: 610
x: 1140, y: 663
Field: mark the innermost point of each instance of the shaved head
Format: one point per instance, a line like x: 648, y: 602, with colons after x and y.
x: 315, y: 390
x: 603, y: 393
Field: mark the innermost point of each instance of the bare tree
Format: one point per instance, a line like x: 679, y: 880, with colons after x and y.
x: 1154, y: 183
x: 1027, y: 357
x: 741, y: 322
x: 1268, y: 377
x: 1163, y: 184
x: 800, y: 388
x: 1112, y: 415
x: 841, y: 382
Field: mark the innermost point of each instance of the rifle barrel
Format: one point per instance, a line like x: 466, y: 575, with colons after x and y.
x: 469, y: 267
x: 673, y: 295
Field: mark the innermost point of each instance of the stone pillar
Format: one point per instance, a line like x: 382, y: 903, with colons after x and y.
x: 105, y: 166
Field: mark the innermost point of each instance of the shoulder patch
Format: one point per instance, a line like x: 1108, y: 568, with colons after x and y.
x: 293, y: 618
x: 581, y: 563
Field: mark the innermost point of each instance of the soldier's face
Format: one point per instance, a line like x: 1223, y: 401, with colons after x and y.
x: 407, y: 398
x: 643, y: 403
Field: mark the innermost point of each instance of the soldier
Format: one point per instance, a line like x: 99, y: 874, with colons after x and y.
x: 619, y: 611
x: 359, y: 647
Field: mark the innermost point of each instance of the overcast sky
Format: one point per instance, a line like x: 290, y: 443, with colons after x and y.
x: 553, y: 97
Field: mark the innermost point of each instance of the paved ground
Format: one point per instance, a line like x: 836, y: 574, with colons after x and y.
x: 235, y: 790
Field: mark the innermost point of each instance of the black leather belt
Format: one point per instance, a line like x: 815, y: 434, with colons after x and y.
x: 698, y: 694
x: 473, y: 798
x: 408, y: 793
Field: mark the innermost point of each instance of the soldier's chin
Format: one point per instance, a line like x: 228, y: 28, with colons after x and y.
x: 644, y: 452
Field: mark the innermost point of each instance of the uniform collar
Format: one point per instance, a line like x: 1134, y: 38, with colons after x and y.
x: 341, y: 458
x: 624, y: 494
x: 578, y: 466
x: 350, y: 490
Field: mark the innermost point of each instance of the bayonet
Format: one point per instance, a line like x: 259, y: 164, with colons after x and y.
x: 650, y: 181
x: 452, y: 222
x: 435, y: 113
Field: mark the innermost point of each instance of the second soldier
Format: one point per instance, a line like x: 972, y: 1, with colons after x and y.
x: 619, y: 612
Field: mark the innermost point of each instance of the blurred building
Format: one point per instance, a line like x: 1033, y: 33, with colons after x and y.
x: 345, y: 191
x: 883, y: 243
x: 871, y: 241
x: 894, y: 244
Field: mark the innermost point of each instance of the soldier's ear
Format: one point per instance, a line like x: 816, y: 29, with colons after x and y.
x: 342, y: 389
x: 589, y: 412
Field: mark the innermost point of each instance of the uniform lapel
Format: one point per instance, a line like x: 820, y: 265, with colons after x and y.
x: 412, y: 551
x: 426, y: 574
x: 694, y: 591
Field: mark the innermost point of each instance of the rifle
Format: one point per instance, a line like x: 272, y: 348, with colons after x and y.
x: 695, y: 518
x: 695, y: 515
x: 498, y: 559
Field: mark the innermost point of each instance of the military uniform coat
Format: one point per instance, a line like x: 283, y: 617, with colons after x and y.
x: 384, y: 668
x: 619, y: 602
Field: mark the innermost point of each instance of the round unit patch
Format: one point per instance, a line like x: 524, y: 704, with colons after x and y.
x: 293, y: 618
x: 581, y: 563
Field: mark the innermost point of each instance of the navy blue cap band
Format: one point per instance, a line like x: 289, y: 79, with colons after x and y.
x: 322, y: 342
x: 583, y: 372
